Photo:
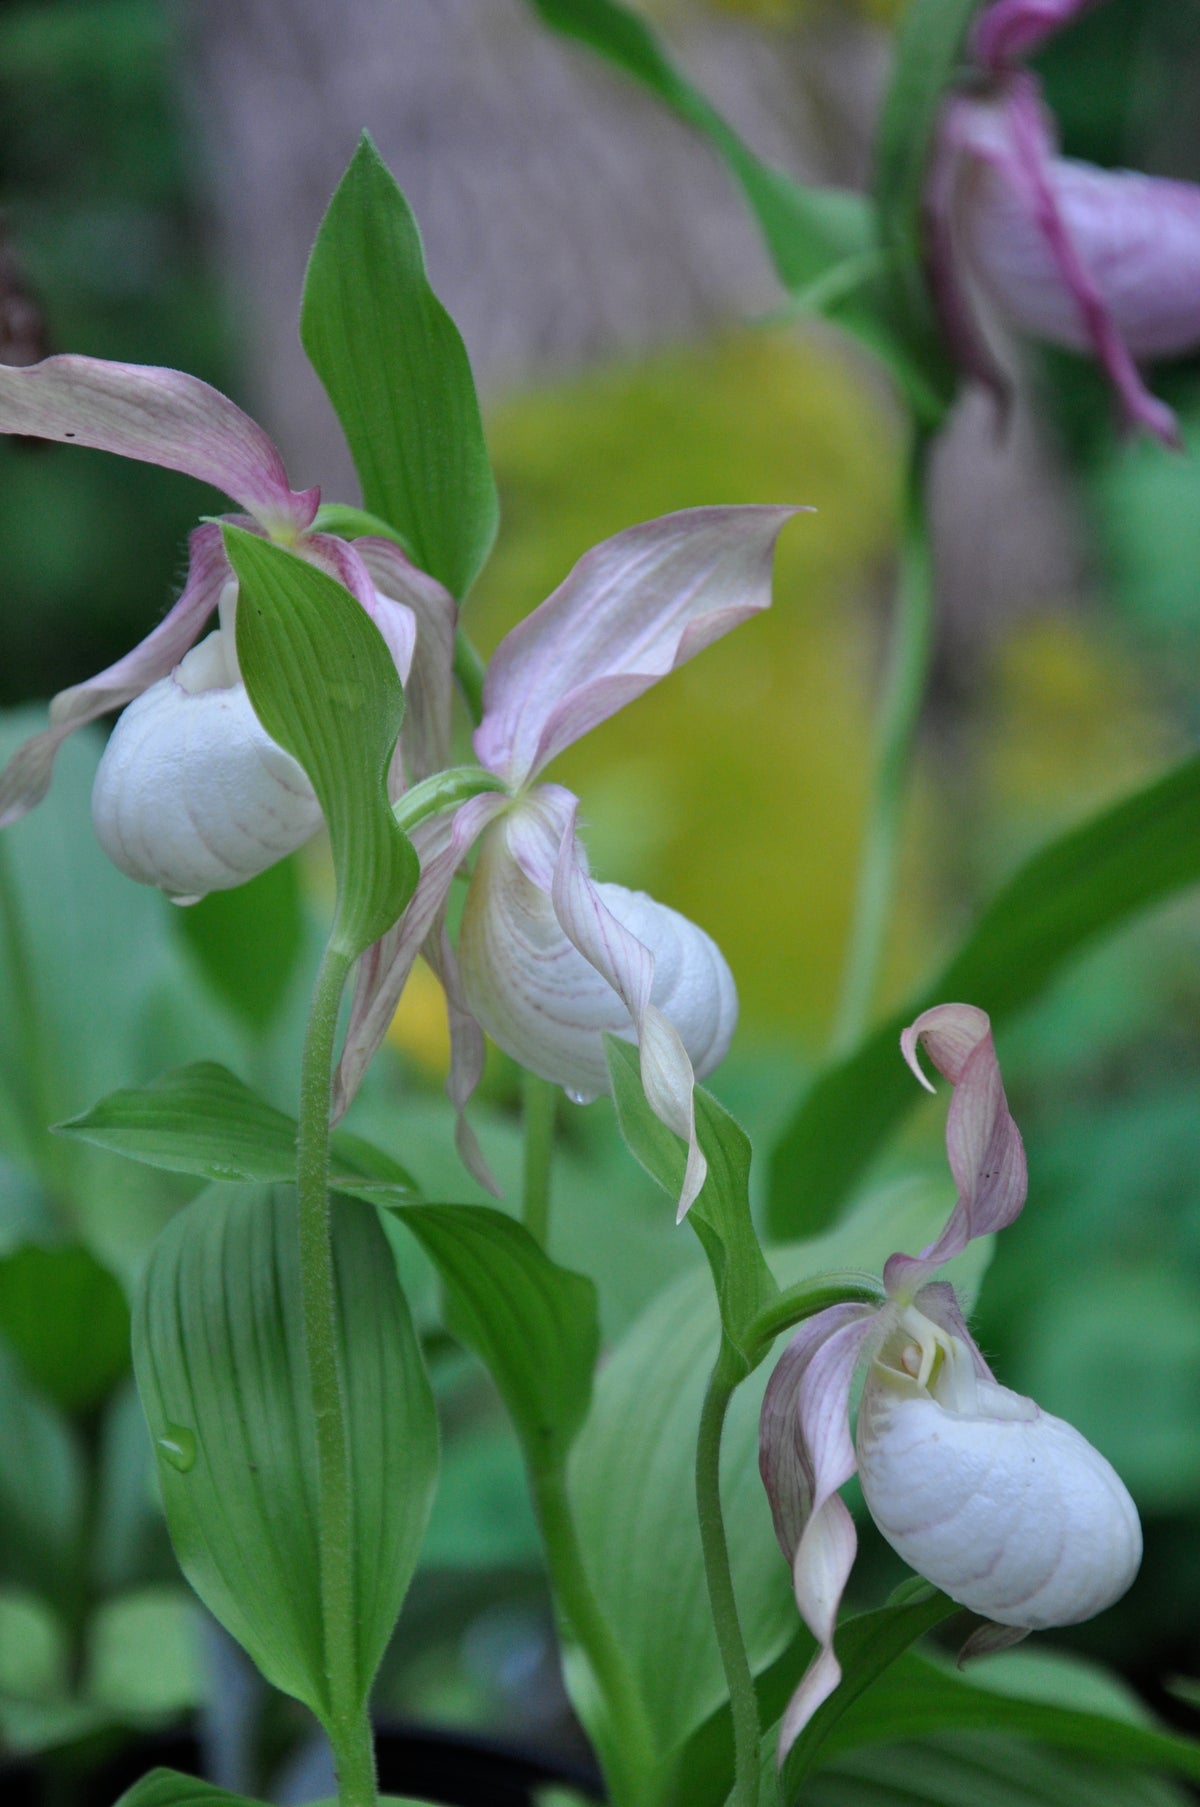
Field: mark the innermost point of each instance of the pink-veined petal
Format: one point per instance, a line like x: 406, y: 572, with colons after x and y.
x: 26, y: 779
x: 784, y: 1461
x: 426, y: 732
x: 552, y: 961
x: 441, y: 842
x: 160, y: 417
x: 633, y: 609
x: 1009, y: 29
x: 825, y: 1552
x: 987, y: 1156
x: 939, y: 1303
x: 467, y: 1055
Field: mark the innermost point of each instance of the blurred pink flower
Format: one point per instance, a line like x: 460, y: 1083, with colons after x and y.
x: 1005, y: 1508
x: 1106, y: 262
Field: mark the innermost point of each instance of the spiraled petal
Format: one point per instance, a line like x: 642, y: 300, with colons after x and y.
x: 192, y: 795
x: 987, y: 1156
x: 633, y: 609
x: 161, y: 417
x: 1006, y: 1509
x: 26, y: 779
x: 552, y: 961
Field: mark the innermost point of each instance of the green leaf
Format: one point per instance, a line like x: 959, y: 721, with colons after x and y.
x: 866, y: 1646
x: 248, y: 942
x: 823, y: 242
x: 167, y: 1788
x: 928, y: 59
x: 324, y: 686
x: 720, y: 1215
x: 985, y: 1769
x: 221, y: 1367
x: 531, y: 1322
x: 67, y: 1319
x: 1082, y: 886
x: 917, y: 1697
x: 202, y: 1119
x: 396, y: 371
x: 632, y: 1479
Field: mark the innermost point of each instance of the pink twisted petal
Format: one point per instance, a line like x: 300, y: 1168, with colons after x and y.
x: 425, y: 736
x: 987, y: 1157
x: 160, y: 417
x: 1009, y: 29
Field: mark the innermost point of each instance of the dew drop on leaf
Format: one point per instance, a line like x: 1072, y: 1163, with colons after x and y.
x: 177, y: 1446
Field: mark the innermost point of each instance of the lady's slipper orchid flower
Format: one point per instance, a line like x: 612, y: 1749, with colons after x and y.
x: 1005, y: 1508
x: 547, y: 959
x: 192, y: 795
x: 1105, y: 262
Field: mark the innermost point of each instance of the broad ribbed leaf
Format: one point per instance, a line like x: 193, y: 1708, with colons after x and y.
x: 167, y: 1788
x: 916, y: 1698
x: 866, y: 1646
x: 1082, y: 886
x: 324, y: 685
x: 720, y: 1215
x: 532, y: 1323
x: 396, y: 371
x: 985, y: 1769
x: 202, y: 1119
x: 221, y: 1367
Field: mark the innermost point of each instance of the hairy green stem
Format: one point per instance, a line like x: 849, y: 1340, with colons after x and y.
x: 627, y: 1752
x: 540, y: 1106
x: 349, y: 1725
x: 903, y: 696
x: 743, y: 1703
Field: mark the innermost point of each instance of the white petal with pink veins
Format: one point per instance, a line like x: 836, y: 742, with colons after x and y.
x: 1004, y: 1507
x: 192, y: 795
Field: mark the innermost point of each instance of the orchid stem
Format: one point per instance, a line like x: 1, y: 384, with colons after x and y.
x: 903, y: 696
x: 540, y: 1103
x: 743, y: 1702
x: 349, y: 1725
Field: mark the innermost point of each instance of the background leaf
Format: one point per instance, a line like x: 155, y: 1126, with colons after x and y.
x: 720, y: 1214
x: 41, y: 1490
x: 67, y: 1319
x: 984, y: 1768
x: 396, y: 371
x: 1080, y: 887
x: 220, y: 1362
x: 202, y: 1119
x: 324, y: 686
x: 249, y: 942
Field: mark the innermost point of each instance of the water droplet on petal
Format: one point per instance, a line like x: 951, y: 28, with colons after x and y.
x: 177, y: 1446
x: 577, y: 1097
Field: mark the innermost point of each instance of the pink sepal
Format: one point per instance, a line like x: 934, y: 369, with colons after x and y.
x: 26, y: 779
x: 627, y: 965
x: 425, y: 736
x: 940, y: 1305
x: 1009, y: 29
x: 467, y: 1054
x: 442, y: 843
x: 825, y: 1552
x: 160, y: 417
x: 633, y: 609
x: 986, y: 1154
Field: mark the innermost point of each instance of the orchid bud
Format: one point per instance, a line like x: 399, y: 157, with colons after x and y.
x: 1106, y: 262
x: 1004, y: 1507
